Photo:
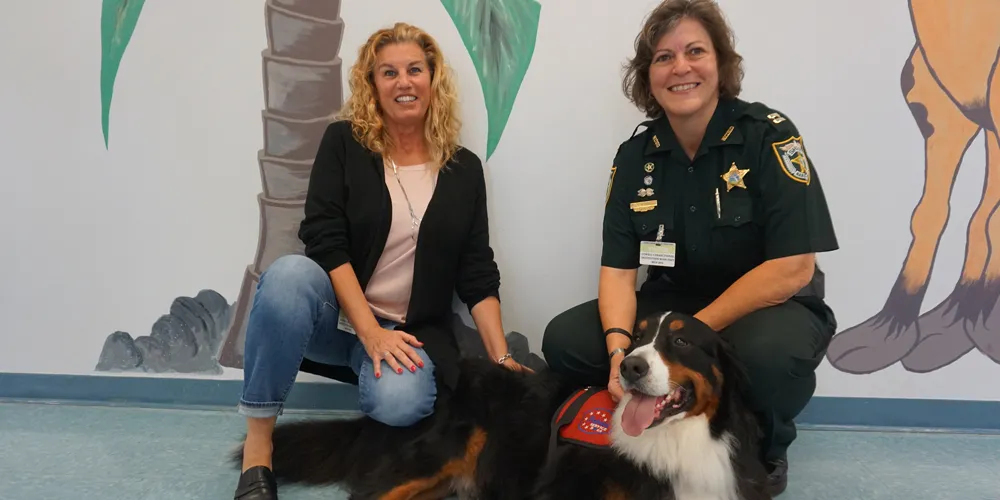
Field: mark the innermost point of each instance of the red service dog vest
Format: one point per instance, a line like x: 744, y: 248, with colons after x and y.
x: 585, y: 418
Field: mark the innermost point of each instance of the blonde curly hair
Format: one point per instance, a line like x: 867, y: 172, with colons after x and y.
x: 442, y: 124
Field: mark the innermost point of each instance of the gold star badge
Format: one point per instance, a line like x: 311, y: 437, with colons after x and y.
x: 734, y: 177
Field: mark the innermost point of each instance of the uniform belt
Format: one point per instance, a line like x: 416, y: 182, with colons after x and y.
x: 815, y: 288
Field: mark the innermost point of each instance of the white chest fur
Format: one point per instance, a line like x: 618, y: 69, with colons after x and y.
x: 682, y: 451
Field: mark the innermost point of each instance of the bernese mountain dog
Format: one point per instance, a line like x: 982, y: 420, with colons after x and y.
x: 680, y: 432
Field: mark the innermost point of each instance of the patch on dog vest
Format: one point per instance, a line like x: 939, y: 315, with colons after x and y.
x: 585, y: 418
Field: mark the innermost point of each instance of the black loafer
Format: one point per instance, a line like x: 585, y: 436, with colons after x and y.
x: 777, y: 476
x: 257, y: 483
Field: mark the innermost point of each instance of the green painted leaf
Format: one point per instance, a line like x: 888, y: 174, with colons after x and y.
x: 118, y: 20
x: 500, y: 37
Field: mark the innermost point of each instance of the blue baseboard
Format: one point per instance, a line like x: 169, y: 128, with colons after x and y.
x: 164, y: 392
x: 336, y: 397
x: 961, y: 415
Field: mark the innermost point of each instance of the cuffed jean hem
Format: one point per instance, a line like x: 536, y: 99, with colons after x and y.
x: 260, y: 410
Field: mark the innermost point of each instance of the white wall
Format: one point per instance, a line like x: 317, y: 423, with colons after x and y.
x: 170, y: 207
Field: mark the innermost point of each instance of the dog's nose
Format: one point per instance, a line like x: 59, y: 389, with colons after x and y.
x: 633, y: 368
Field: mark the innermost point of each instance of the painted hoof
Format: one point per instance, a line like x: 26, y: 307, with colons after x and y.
x: 873, y: 345
x: 943, y: 337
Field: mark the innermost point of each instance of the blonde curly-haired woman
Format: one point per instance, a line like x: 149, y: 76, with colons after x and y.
x: 395, y: 223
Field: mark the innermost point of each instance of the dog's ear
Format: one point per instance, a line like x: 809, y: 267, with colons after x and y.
x: 737, y: 380
x: 734, y: 388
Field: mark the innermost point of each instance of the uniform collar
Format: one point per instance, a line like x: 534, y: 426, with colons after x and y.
x: 721, y: 129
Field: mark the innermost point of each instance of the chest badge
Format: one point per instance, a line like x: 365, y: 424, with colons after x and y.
x: 734, y: 177
x: 644, y: 192
x: 648, y: 168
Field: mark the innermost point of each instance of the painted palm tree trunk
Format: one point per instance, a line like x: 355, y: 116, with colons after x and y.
x: 303, y: 91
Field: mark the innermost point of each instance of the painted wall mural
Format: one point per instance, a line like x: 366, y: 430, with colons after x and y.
x: 118, y: 20
x: 302, y: 79
x: 950, y: 84
x: 303, y: 75
x: 185, y: 340
x: 500, y: 37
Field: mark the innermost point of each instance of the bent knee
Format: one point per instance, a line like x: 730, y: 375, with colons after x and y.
x: 772, y: 361
x: 560, y: 333
x: 399, y: 399
x: 294, y: 273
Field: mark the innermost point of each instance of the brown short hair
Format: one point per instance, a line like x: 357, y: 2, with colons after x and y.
x: 661, y: 20
x: 442, y: 125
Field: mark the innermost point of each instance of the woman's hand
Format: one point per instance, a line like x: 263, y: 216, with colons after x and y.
x: 614, y: 382
x: 514, y: 366
x: 393, y: 346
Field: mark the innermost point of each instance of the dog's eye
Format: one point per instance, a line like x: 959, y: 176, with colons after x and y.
x: 680, y: 342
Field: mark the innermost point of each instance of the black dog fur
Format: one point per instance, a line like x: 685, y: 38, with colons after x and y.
x: 513, y: 412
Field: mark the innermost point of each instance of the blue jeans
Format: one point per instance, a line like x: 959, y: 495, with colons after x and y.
x: 294, y: 315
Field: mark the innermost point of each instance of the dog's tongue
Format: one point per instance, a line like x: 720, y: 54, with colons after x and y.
x: 638, y: 414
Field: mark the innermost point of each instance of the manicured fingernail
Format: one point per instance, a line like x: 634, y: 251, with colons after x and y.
x: 413, y: 368
x: 399, y: 370
x: 377, y: 374
x: 420, y: 364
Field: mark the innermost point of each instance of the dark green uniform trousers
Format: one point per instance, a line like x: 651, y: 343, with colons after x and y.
x: 780, y: 346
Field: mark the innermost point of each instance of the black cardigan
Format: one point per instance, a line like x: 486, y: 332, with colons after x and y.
x: 347, y: 218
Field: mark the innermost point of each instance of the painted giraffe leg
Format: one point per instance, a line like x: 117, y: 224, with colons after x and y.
x: 889, y: 335
x: 987, y: 336
x: 945, y: 329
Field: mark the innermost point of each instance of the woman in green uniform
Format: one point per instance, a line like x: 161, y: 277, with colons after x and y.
x: 718, y: 197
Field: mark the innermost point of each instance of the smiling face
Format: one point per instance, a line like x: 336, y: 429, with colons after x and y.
x: 684, y: 73
x: 403, y: 83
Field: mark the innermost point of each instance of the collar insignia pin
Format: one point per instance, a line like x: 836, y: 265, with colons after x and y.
x: 728, y: 131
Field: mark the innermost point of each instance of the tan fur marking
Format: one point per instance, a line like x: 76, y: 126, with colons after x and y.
x: 438, y: 486
x: 706, y: 400
x: 676, y: 325
x: 614, y: 492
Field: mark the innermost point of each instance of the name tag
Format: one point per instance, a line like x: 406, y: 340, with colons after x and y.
x: 344, y: 324
x: 657, y: 253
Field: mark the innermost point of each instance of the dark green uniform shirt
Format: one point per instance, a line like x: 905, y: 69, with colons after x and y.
x: 750, y: 194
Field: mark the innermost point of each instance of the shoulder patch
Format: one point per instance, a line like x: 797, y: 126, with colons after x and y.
x: 611, y: 181
x: 791, y: 155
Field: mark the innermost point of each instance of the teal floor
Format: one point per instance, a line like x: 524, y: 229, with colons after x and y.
x: 89, y: 452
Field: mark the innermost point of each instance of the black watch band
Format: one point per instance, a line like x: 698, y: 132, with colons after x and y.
x: 622, y: 331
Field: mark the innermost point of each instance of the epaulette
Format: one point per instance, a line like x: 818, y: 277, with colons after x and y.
x: 637, y: 136
x: 762, y: 112
x: 647, y: 124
